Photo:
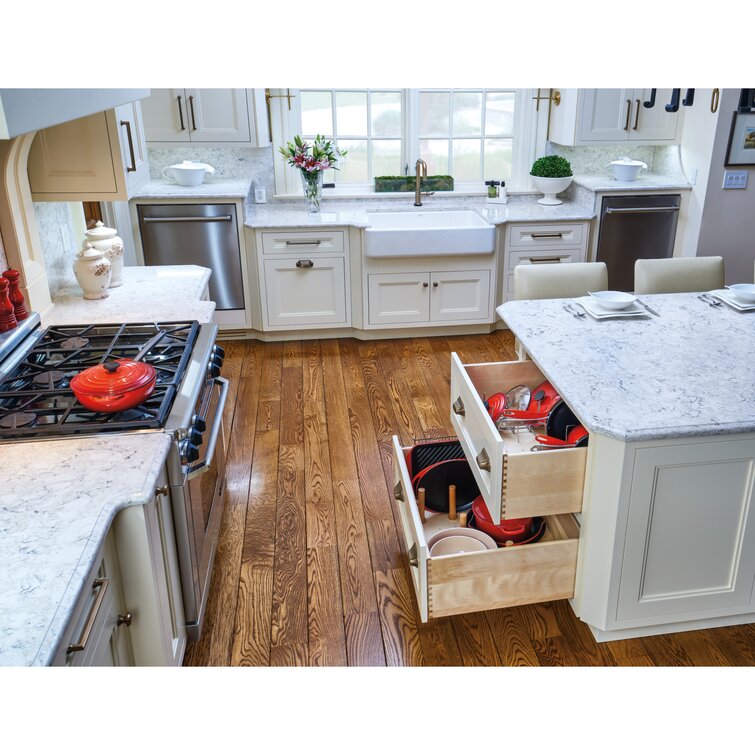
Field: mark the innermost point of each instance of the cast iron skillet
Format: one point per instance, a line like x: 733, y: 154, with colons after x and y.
x: 435, y: 480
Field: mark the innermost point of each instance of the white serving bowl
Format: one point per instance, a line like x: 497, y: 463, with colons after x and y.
x: 743, y: 291
x: 613, y: 299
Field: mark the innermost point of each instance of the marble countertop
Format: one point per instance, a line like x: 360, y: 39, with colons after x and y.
x: 212, y: 188
x: 55, y: 510
x: 686, y: 373
x: 648, y: 182
x: 157, y: 293
x: 353, y: 212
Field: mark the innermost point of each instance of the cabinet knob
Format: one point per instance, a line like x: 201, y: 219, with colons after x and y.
x: 435, y: 284
x: 162, y: 490
x: 124, y: 619
x: 305, y: 263
x: 425, y: 284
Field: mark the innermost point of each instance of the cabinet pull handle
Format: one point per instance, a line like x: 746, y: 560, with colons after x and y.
x: 483, y: 460
x: 162, y: 490
x: 305, y: 263
x: 102, y: 583
x: 458, y: 407
x: 638, y: 210
x: 398, y: 492
x: 714, y: 98
x: 412, y: 556
x: 629, y: 110
x: 637, y: 117
x: 132, y: 167
x: 191, y: 107
x: 543, y: 260
x: 315, y: 242
x: 558, y: 235
x: 180, y: 113
x: 124, y: 619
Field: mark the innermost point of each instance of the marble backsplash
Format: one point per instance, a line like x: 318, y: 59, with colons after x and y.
x: 662, y: 159
x: 229, y: 162
x: 57, y: 235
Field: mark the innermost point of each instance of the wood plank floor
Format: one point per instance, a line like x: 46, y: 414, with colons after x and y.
x: 309, y: 569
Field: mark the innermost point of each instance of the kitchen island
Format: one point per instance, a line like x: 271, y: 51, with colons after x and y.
x: 667, y: 539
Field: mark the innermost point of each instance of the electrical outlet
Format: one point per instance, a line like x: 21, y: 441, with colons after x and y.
x: 735, y: 179
x: 260, y: 196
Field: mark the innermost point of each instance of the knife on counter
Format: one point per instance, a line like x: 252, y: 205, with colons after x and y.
x: 649, y: 309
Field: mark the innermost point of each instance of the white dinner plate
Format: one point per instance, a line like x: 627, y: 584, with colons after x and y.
x: 601, y: 313
x: 727, y: 297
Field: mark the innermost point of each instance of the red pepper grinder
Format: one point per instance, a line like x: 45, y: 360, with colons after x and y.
x: 7, y: 317
x: 16, y: 297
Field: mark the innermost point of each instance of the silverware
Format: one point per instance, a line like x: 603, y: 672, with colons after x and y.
x: 649, y: 309
x: 574, y: 312
x: 709, y: 300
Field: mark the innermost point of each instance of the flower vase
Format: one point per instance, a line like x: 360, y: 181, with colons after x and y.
x: 312, y: 184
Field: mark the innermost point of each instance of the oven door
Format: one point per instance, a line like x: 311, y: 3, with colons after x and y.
x: 198, y: 509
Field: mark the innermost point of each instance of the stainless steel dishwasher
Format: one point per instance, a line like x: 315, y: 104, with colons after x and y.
x: 196, y: 234
x: 633, y: 228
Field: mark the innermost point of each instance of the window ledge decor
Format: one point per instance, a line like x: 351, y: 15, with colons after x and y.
x: 408, y: 183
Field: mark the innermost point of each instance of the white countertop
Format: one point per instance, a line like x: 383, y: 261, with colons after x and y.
x: 648, y: 182
x: 212, y: 188
x: 159, y: 293
x: 689, y: 372
x: 57, y: 501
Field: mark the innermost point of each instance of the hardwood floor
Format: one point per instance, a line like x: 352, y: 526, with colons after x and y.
x: 309, y: 569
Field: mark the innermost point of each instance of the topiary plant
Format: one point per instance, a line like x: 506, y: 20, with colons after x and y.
x: 551, y: 166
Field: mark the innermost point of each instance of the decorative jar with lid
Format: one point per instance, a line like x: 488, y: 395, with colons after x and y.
x: 108, y: 241
x: 93, y: 271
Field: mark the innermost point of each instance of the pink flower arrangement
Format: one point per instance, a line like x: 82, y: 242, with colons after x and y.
x: 321, y: 155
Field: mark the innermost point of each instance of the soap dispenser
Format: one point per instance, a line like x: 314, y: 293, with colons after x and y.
x: 496, y: 192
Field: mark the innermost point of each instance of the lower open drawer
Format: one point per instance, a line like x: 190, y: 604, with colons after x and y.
x: 485, y: 580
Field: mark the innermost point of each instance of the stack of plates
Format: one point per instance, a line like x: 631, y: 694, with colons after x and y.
x: 598, y: 312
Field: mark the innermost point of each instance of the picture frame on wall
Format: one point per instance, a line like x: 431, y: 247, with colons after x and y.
x: 741, y: 149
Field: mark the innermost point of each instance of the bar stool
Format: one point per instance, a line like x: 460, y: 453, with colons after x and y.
x: 676, y: 275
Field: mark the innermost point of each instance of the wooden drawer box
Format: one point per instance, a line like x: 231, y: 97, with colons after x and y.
x: 544, y: 236
x: 481, y: 581
x: 513, y: 480
x: 302, y: 242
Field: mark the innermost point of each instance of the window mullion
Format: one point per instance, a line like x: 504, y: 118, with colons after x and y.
x: 483, y: 126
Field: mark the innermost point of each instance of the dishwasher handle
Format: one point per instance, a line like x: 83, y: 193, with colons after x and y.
x: 190, y: 219
x: 638, y: 210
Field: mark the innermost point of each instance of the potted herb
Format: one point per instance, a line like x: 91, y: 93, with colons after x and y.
x: 551, y: 175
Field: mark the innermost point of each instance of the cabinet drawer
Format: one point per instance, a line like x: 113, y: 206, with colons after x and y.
x: 482, y: 581
x: 544, y: 236
x: 295, y: 242
x: 544, y: 257
x: 514, y: 481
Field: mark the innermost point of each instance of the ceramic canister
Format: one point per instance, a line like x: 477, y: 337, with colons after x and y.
x: 107, y: 240
x: 93, y: 270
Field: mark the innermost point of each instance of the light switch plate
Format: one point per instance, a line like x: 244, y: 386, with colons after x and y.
x: 735, y: 179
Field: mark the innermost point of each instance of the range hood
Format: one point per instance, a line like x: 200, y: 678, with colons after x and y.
x: 25, y: 110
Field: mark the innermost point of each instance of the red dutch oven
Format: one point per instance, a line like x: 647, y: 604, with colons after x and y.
x: 509, y: 531
x: 114, y: 386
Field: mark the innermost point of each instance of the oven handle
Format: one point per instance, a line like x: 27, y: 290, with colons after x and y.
x: 216, y: 427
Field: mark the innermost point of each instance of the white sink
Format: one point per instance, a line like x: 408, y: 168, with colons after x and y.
x: 421, y: 234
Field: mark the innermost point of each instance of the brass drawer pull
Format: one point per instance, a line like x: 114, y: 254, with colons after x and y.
x: 305, y: 264
x: 558, y: 235
x: 162, y: 490
x: 543, y: 260
x: 124, y: 619
x: 398, y: 492
x: 458, y: 407
x: 714, y: 98
x: 413, y: 559
x: 483, y: 460
x: 314, y: 242
x: 102, y: 583
x: 637, y: 117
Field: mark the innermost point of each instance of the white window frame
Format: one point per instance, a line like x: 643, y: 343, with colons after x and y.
x: 529, y: 140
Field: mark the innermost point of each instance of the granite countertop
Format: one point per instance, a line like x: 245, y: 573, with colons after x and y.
x: 56, y: 509
x: 686, y: 373
x: 647, y: 182
x: 157, y: 293
x: 212, y: 188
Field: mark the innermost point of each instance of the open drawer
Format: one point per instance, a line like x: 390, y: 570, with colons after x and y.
x: 514, y: 481
x: 481, y: 581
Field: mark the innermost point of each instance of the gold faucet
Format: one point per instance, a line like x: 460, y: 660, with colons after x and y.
x: 420, y: 172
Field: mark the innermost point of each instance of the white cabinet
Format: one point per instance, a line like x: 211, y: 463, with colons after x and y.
x: 613, y: 116
x: 206, y: 116
x: 102, y: 157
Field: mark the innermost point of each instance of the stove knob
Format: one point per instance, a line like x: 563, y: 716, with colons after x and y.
x: 219, y: 350
x: 214, y: 368
x: 195, y: 438
x: 198, y: 423
x: 190, y: 453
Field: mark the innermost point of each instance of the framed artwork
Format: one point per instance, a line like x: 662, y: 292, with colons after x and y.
x: 741, y: 149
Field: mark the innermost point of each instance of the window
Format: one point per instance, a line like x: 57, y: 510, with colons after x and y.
x: 472, y: 134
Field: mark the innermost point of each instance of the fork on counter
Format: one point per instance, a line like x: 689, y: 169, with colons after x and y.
x: 709, y: 300
x: 574, y: 312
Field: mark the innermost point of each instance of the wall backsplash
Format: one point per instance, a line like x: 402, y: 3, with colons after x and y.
x: 229, y: 162
x: 57, y: 235
x: 663, y: 159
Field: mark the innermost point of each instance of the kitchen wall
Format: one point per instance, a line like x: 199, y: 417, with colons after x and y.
x: 60, y: 226
x: 727, y: 226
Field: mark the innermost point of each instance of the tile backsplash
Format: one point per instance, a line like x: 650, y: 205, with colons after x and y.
x: 57, y: 235
x: 662, y: 159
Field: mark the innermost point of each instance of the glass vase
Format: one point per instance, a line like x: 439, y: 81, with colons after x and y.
x: 312, y: 185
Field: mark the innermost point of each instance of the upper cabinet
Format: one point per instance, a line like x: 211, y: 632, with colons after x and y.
x: 102, y: 157
x: 613, y: 116
x: 206, y: 116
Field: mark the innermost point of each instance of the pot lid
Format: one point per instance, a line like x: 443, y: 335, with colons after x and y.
x: 113, y: 378
x: 89, y: 252
x: 628, y: 161
x: 100, y: 231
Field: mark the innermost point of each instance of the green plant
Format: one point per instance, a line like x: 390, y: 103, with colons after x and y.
x: 551, y: 166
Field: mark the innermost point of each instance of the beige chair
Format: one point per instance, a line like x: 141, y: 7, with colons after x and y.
x: 557, y: 281
x: 676, y: 275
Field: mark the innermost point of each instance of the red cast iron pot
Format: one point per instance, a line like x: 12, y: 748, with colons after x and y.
x: 515, y: 530
x: 114, y: 386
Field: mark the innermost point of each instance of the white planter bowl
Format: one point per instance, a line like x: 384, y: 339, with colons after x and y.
x: 550, y: 187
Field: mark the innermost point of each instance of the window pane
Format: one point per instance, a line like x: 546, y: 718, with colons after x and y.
x: 435, y: 153
x: 351, y: 113
x: 498, y: 159
x: 433, y: 113
x: 353, y: 167
x: 386, y: 157
x: 466, y: 164
x: 467, y: 113
x: 316, y: 113
x: 386, y: 113
x: 499, y: 114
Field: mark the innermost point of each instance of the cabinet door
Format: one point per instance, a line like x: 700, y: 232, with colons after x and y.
x: 165, y: 116
x: 399, y: 298
x: 133, y: 144
x: 653, y: 124
x: 460, y: 296
x: 305, y: 292
x: 605, y: 115
x: 218, y: 115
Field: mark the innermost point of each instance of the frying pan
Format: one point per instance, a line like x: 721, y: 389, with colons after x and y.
x: 436, y: 478
x: 560, y: 420
x: 422, y: 455
x: 577, y: 437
